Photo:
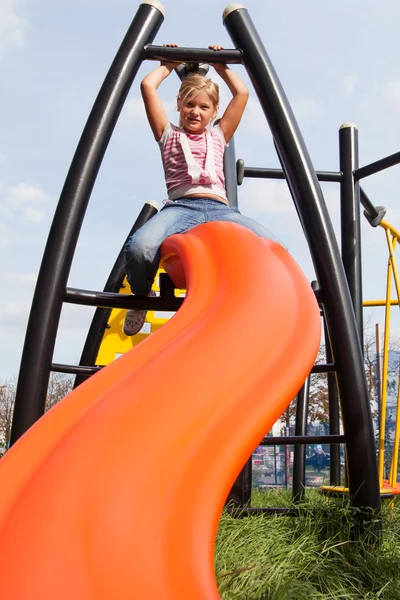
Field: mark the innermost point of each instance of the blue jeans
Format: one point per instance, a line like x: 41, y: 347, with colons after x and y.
x: 142, y: 250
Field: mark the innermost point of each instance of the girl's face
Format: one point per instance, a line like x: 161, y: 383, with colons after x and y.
x: 196, y: 113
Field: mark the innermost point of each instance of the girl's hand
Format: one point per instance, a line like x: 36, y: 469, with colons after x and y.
x: 169, y: 63
x: 218, y: 66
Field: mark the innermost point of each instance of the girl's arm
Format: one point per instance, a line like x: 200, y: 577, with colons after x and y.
x: 234, y: 111
x: 155, y: 110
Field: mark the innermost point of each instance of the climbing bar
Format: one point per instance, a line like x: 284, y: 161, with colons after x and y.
x: 74, y: 369
x: 324, y: 368
x: 374, y: 214
x: 375, y: 167
x: 303, y: 439
x: 367, y: 204
x: 371, y: 303
x: 125, y: 301
x: 261, y: 173
x: 197, y: 55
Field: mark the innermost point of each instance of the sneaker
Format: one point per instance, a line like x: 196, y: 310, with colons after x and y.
x: 134, y: 319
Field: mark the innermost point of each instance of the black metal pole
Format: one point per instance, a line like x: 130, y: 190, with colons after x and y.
x: 63, y: 236
x: 195, y: 55
x: 350, y: 218
x: 377, y: 166
x: 230, y: 173
x: 302, y: 439
x: 113, y: 284
x: 299, y: 460
x: 313, y: 214
x: 268, y: 173
x: 334, y: 416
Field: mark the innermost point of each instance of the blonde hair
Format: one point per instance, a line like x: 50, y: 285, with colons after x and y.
x: 193, y: 84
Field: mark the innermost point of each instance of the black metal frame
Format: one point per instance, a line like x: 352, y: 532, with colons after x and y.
x: 334, y: 290
x: 113, y: 285
x: 342, y: 318
x: 299, y: 460
x: 57, y: 259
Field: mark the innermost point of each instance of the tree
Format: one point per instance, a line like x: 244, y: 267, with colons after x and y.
x: 60, y: 385
x: 318, y: 405
x: 7, y: 396
x: 318, y: 402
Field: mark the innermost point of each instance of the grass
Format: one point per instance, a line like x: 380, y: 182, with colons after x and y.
x: 313, y: 556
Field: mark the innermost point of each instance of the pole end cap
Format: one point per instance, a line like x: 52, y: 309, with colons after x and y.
x: 348, y: 124
x: 156, y: 5
x: 230, y: 8
x: 152, y: 203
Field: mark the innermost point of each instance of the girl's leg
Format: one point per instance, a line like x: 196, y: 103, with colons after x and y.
x: 142, y: 250
x: 221, y: 212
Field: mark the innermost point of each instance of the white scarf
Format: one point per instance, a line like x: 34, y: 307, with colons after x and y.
x: 205, y: 176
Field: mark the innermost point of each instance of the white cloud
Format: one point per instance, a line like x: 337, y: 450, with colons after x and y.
x: 5, y: 211
x: 254, y: 121
x: 350, y: 83
x: 393, y: 92
x: 4, y: 236
x: 133, y: 111
x: 13, y: 25
x: 23, y: 278
x: 23, y: 193
x: 23, y: 200
x: 33, y: 215
x: 12, y: 314
x: 307, y: 110
x: 266, y: 198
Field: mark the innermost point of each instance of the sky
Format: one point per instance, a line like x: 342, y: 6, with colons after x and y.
x: 338, y: 62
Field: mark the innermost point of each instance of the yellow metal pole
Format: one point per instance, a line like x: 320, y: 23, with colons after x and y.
x: 395, y: 458
x: 395, y: 455
x: 385, y: 225
x: 378, y: 369
x: 371, y: 303
x: 382, y: 427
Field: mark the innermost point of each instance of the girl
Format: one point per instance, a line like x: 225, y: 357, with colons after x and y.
x: 192, y: 156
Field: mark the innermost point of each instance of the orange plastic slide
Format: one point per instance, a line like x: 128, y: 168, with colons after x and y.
x: 116, y: 493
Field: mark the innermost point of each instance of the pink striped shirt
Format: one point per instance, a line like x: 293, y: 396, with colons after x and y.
x: 178, y: 172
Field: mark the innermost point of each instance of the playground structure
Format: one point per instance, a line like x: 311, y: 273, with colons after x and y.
x: 392, y: 236
x: 31, y: 465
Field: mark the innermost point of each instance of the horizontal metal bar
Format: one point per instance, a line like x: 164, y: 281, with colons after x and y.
x: 326, y: 176
x: 379, y: 303
x: 324, y: 368
x: 303, y: 439
x: 74, y: 369
x: 123, y: 301
x: 367, y: 204
x: 264, y: 173
x: 196, y: 55
x: 375, y: 167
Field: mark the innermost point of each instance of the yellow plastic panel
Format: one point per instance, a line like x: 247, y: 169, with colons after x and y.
x: 115, y: 342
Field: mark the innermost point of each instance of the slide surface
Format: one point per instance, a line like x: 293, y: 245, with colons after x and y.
x: 117, y: 491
